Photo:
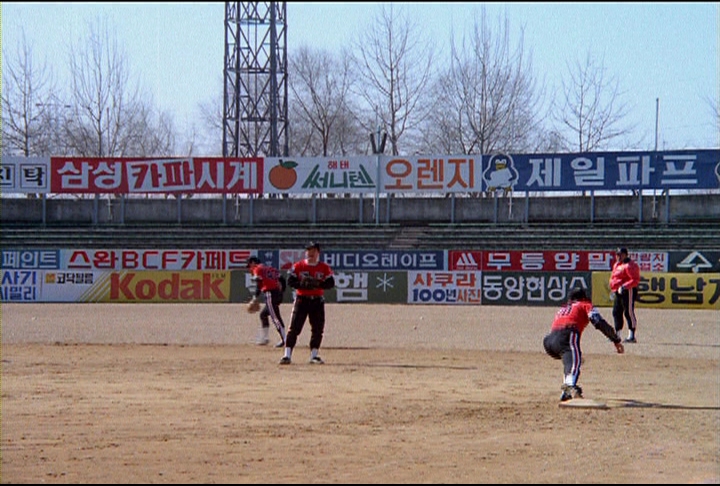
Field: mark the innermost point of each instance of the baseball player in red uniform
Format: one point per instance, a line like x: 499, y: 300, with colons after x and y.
x: 624, y: 280
x: 563, y: 342
x: 271, y: 285
x: 310, y: 278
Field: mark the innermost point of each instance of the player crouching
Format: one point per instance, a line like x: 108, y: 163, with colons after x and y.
x: 563, y: 341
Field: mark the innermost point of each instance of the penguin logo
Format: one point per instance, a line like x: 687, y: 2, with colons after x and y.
x: 500, y: 173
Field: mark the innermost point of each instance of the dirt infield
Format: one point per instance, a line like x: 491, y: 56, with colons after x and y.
x: 172, y: 393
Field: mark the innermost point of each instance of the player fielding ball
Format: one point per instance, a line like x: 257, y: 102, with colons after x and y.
x: 563, y: 343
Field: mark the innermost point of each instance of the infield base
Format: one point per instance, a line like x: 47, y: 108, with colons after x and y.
x: 583, y: 403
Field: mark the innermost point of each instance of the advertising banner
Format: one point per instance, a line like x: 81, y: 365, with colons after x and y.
x: 160, y: 259
x: 547, y: 261
x: 49, y: 285
x: 110, y: 286
x: 381, y: 287
x: 350, y: 287
x: 385, y: 259
x: 649, y: 261
x: 72, y: 286
x: 438, y: 287
x: 705, y: 261
x: 199, y: 175
x: 320, y: 175
x: 464, y: 277
x: 367, y: 259
x: 20, y: 285
x: 432, y: 174
x: 666, y: 290
x: 23, y: 175
x: 531, y: 288
x: 150, y: 286
x: 30, y: 259
x: 368, y: 174
x: 602, y: 171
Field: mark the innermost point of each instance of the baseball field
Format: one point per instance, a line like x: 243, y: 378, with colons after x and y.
x: 175, y: 393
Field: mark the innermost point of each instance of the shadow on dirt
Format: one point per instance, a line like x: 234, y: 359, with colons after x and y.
x: 629, y: 403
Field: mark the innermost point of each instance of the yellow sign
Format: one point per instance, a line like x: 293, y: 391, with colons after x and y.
x: 161, y: 286
x: 665, y: 290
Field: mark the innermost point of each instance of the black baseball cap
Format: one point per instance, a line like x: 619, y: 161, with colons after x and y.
x: 578, y: 293
x: 313, y: 244
x: 251, y: 260
x: 622, y: 250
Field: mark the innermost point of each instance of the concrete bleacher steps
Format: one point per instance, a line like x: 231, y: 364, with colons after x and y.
x: 218, y: 237
x: 573, y: 236
x: 535, y: 237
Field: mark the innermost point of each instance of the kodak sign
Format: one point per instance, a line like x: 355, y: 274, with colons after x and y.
x: 182, y: 286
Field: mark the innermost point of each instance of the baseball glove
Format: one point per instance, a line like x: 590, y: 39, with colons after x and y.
x: 253, y: 306
x: 308, y: 282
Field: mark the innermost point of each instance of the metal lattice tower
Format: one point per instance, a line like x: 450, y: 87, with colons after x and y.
x: 255, y: 103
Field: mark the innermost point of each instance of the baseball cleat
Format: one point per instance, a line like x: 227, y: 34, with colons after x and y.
x: 570, y: 392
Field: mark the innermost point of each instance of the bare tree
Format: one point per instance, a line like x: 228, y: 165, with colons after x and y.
x: 591, y: 112
x: 445, y: 129
x: 109, y: 117
x: 151, y: 133
x: 211, y: 116
x: 321, y: 85
x: 394, y: 66
x: 489, y: 97
x: 29, y: 104
x: 350, y: 137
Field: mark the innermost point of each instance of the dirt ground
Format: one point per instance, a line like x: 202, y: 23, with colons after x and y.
x: 173, y: 393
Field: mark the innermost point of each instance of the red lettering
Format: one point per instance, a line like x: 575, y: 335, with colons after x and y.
x: 124, y: 286
x: 168, y: 257
x: 209, y: 285
x: 79, y: 259
x: 129, y: 259
x: 188, y: 257
x: 145, y: 289
x: 193, y: 290
x: 146, y: 259
x: 169, y: 289
x: 105, y: 259
x: 117, y: 286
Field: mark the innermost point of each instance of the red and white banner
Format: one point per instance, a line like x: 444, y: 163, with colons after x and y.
x: 544, y: 261
x: 85, y: 259
x: 199, y: 175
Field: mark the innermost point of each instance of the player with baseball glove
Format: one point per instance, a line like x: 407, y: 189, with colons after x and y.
x: 563, y: 342
x: 308, y: 283
x: 310, y: 278
x: 270, y: 285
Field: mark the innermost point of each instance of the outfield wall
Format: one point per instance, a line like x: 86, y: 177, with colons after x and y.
x: 677, y: 279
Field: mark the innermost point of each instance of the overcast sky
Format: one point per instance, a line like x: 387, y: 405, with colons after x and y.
x: 665, y: 51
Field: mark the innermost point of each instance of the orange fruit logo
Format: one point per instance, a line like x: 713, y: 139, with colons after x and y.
x: 283, y: 175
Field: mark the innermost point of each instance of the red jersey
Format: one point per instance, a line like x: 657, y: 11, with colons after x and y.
x: 267, y: 277
x: 320, y: 271
x: 625, y: 273
x: 575, y: 314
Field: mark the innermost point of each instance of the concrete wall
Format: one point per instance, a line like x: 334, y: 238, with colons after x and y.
x: 410, y: 211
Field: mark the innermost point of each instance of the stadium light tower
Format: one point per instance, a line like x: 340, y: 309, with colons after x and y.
x: 255, y: 104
